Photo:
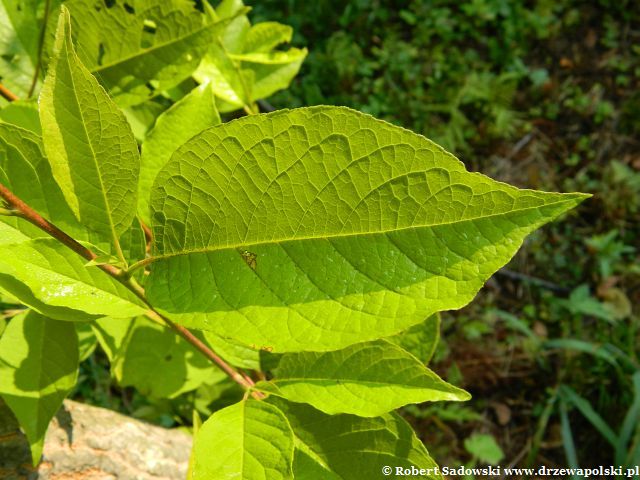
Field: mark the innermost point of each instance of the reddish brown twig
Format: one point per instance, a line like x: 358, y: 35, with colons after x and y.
x: 22, y: 210
x: 7, y: 94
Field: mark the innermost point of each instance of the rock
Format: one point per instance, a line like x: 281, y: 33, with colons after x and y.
x: 91, y: 443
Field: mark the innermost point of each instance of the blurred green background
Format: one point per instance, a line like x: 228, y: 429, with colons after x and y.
x: 540, y: 94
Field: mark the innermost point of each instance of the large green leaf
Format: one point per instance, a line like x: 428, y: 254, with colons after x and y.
x: 348, y: 446
x: 242, y: 65
x: 317, y: 228
x: 250, y: 440
x: 48, y: 272
x: 153, y: 358
x: 38, y: 368
x: 187, y: 117
x: 92, y: 151
x: 366, y: 379
x: 139, y: 48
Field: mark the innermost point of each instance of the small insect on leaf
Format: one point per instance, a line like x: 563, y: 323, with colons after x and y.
x: 249, y: 258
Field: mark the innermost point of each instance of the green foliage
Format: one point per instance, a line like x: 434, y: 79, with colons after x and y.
x: 396, y: 220
x: 421, y: 339
x: 381, y: 377
x: 484, y: 448
x: 55, y: 281
x: 336, y: 446
x: 22, y: 113
x: 159, y: 43
x: 243, y: 65
x: 313, y: 246
x: 19, y: 32
x: 146, y: 355
x: 565, y: 76
x: 25, y: 169
x: 250, y: 439
x: 170, y: 131
x: 89, y: 144
x: 38, y: 369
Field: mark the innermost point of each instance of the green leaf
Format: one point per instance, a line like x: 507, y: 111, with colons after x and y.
x: 366, y: 379
x: 217, y: 393
x: 26, y: 172
x: 24, y: 114
x: 111, y: 333
x: 242, y: 65
x: 19, y: 32
x: 47, y: 271
x: 234, y: 352
x: 10, y: 234
x: 155, y: 360
x: 484, y: 448
x: 318, y: 228
x: 139, y: 48
x: 248, y: 440
x: 5, y: 297
x: 89, y: 143
x: 87, y: 340
x: 187, y: 117
x: 38, y: 369
x: 349, y: 446
x: 142, y: 117
x: 420, y: 340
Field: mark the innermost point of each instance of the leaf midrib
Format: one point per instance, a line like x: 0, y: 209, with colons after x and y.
x: 294, y: 380
x: 71, y: 53
x: 211, y: 249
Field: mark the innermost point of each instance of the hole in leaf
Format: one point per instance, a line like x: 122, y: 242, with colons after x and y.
x: 129, y: 8
x: 149, y: 29
x: 100, y: 53
x: 151, y: 87
x: 198, y: 5
x: 109, y: 3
